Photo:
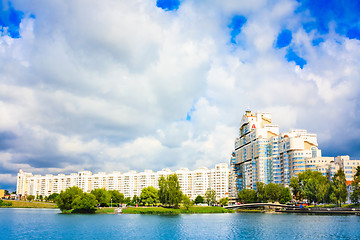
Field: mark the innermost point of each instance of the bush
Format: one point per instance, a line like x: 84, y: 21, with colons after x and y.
x: 30, y: 198
x: 5, y: 204
x: 52, y: 197
x: 74, y: 200
x: 224, y: 201
x: 102, y: 196
x: 187, y: 202
x: 199, y: 199
x: 85, y: 203
x: 66, y: 198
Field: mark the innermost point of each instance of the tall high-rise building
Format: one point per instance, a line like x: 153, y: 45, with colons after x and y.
x: 263, y: 154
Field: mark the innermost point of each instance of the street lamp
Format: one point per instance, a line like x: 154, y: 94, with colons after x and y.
x: 111, y: 202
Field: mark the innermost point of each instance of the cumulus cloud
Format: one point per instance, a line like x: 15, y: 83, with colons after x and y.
x: 121, y: 85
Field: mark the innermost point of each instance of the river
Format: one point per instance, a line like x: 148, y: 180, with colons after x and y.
x: 49, y: 224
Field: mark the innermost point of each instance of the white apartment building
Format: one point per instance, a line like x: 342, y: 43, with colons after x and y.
x: 328, y: 166
x: 348, y: 165
x: 192, y: 183
x: 263, y: 154
x: 219, y: 180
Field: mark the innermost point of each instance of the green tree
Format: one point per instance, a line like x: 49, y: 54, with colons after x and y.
x: 65, y: 199
x: 163, y: 190
x: 116, y: 197
x: 40, y: 197
x: 52, y: 197
x: 175, y: 193
x: 135, y: 200
x: 127, y: 200
x: 296, y: 189
x: 247, y: 196
x: 30, y: 198
x: 102, y: 196
x: 149, y: 195
x: 311, y: 185
x: 169, y: 190
x: 84, y: 203
x: 339, y: 183
x: 322, y: 189
x: 285, y: 195
x: 224, y: 201
x: 273, y: 192
x: 199, y: 199
x: 187, y: 202
x: 355, y: 194
x: 260, y: 192
x: 310, y: 190
x: 210, y: 197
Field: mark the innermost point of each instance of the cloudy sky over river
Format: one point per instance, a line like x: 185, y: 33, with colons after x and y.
x: 145, y: 84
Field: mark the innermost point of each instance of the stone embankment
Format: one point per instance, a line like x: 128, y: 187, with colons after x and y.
x: 342, y: 211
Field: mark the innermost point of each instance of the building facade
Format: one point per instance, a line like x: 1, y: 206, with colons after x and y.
x: 192, y: 183
x: 263, y: 154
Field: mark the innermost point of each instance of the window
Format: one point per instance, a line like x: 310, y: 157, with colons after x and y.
x: 313, y: 152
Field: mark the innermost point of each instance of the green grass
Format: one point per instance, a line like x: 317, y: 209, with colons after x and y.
x: 334, y: 205
x: 322, y: 206
x: 353, y: 205
x: 25, y: 204
x: 150, y: 210
x: 197, y: 209
x: 161, y: 210
x: 105, y: 210
x: 252, y: 210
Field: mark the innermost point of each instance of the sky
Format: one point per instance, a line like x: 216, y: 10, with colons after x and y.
x: 119, y: 85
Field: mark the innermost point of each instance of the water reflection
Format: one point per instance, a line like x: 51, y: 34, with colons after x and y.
x: 45, y: 224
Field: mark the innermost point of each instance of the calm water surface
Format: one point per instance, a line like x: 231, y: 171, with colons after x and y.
x: 49, y: 224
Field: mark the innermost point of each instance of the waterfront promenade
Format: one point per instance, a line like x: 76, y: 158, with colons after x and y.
x: 283, y: 208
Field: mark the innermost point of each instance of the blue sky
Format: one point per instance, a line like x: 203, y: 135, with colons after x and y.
x: 119, y: 85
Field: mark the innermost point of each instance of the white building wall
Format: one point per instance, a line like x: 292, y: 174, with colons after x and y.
x: 192, y: 183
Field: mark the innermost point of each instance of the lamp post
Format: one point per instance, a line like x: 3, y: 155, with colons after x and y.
x: 111, y: 202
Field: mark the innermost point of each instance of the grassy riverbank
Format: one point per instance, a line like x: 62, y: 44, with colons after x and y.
x: 334, y: 206
x: 254, y: 210
x: 26, y: 204
x: 106, y: 210
x: 161, y: 210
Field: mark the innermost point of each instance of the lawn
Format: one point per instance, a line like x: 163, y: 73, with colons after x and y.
x: 334, y: 205
x: 106, y: 210
x: 26, y: 204
x: 161, y: 210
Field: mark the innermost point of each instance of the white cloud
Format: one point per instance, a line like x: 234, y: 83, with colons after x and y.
x: 108, y: 85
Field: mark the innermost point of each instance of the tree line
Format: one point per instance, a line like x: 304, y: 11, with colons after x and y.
x: 265, y: 193
x: 169, y: 194
x: 309, y: 185
x: 50, y: 198
x: 317, y: 188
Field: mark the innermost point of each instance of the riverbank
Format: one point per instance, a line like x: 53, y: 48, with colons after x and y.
x: 161, y: 210
x: 26, y: 204
x: 318, y: 210
x: 254, y: 210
